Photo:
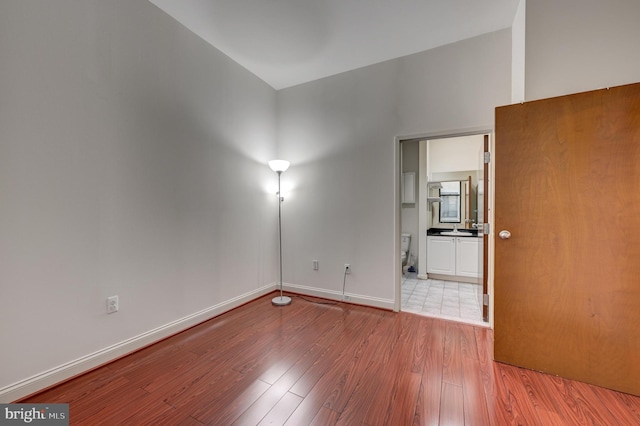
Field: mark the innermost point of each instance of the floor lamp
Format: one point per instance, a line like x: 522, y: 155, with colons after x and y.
x: 280, y: 166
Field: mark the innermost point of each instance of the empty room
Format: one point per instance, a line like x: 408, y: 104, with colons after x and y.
x: 157, y: 267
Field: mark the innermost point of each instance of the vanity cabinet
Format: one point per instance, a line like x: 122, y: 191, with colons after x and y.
x: 467, y: 257
x: 453, y: 256
x: 441, y: 255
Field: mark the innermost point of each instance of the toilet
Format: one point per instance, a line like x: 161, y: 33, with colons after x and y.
x: 406, y: 244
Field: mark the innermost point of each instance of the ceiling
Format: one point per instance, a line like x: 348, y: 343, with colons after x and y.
x: 289, y: 42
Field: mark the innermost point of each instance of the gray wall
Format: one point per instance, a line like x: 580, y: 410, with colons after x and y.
x: 132, y: 162
x: 339, y: 134
x: 578, y: 45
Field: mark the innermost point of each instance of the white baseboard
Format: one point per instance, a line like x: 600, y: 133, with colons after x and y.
x: 88, y: 362
x: 337, y: 295
x: 456, y: 278
x: 73, y: 368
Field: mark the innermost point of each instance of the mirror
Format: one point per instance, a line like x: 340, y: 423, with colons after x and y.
x: 453, y: 199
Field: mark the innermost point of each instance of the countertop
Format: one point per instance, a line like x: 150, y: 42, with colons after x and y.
x: 435, y: 232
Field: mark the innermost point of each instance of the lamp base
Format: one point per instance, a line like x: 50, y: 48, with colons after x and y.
x: 281, y: 300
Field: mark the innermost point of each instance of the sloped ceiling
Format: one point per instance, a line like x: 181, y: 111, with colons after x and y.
x: 289, y: 42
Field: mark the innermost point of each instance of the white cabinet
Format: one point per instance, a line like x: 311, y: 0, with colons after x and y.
x: 453, y: 256
x: 467, y: 257
x: 441, y: 255
x: 409, y: 187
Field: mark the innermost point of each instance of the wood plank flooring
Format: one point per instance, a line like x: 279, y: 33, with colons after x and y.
x: 330, y: 364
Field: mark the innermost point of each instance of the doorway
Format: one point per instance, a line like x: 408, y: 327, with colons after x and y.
x: 442, y: 190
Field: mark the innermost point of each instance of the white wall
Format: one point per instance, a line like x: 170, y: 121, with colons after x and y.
x: 455, y: 154
x: 339, y: 135
x: 456, y: 86
x: 579, y: 45
x: 518, y: 44
x: 409, y: 212
x: 132, y: 162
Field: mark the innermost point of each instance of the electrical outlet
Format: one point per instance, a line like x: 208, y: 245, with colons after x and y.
x: 112, y: 304
x: 315, y: 265
x: 347, y: 268
x: 346, y: 298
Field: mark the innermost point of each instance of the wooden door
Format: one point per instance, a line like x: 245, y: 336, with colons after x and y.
x: 567, y: 281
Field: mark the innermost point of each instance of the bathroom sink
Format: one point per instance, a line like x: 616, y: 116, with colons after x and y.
x: 456, y: 233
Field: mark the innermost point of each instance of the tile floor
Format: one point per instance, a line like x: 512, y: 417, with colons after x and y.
x: 443, y: 299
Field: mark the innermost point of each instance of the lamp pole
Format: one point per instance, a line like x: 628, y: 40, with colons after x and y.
x: 280, y: 230
x: 280, y: 300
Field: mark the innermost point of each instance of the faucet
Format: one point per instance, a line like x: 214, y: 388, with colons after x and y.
x: 455, y: 228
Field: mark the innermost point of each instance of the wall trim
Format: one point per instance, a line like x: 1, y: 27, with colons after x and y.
x: 88, y: 362
x: 358, y: 299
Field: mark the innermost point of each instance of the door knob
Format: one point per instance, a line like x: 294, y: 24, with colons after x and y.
x: 505, y: 235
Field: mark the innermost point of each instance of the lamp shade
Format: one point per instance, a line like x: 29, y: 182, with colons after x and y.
x: 279, y: 166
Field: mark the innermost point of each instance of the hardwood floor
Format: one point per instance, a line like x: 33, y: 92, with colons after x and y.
x: 326, y: 364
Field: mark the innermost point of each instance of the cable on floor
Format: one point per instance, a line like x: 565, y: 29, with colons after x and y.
x: 315, y: 301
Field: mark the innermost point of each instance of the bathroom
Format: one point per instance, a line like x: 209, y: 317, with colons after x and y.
x: 442, y: 202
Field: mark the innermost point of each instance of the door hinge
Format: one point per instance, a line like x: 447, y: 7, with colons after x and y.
x: 487, y: 157
x: 485, y: 299
x: 486, y: 228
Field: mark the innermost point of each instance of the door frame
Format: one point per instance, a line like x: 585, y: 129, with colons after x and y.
x: 488, y: 257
